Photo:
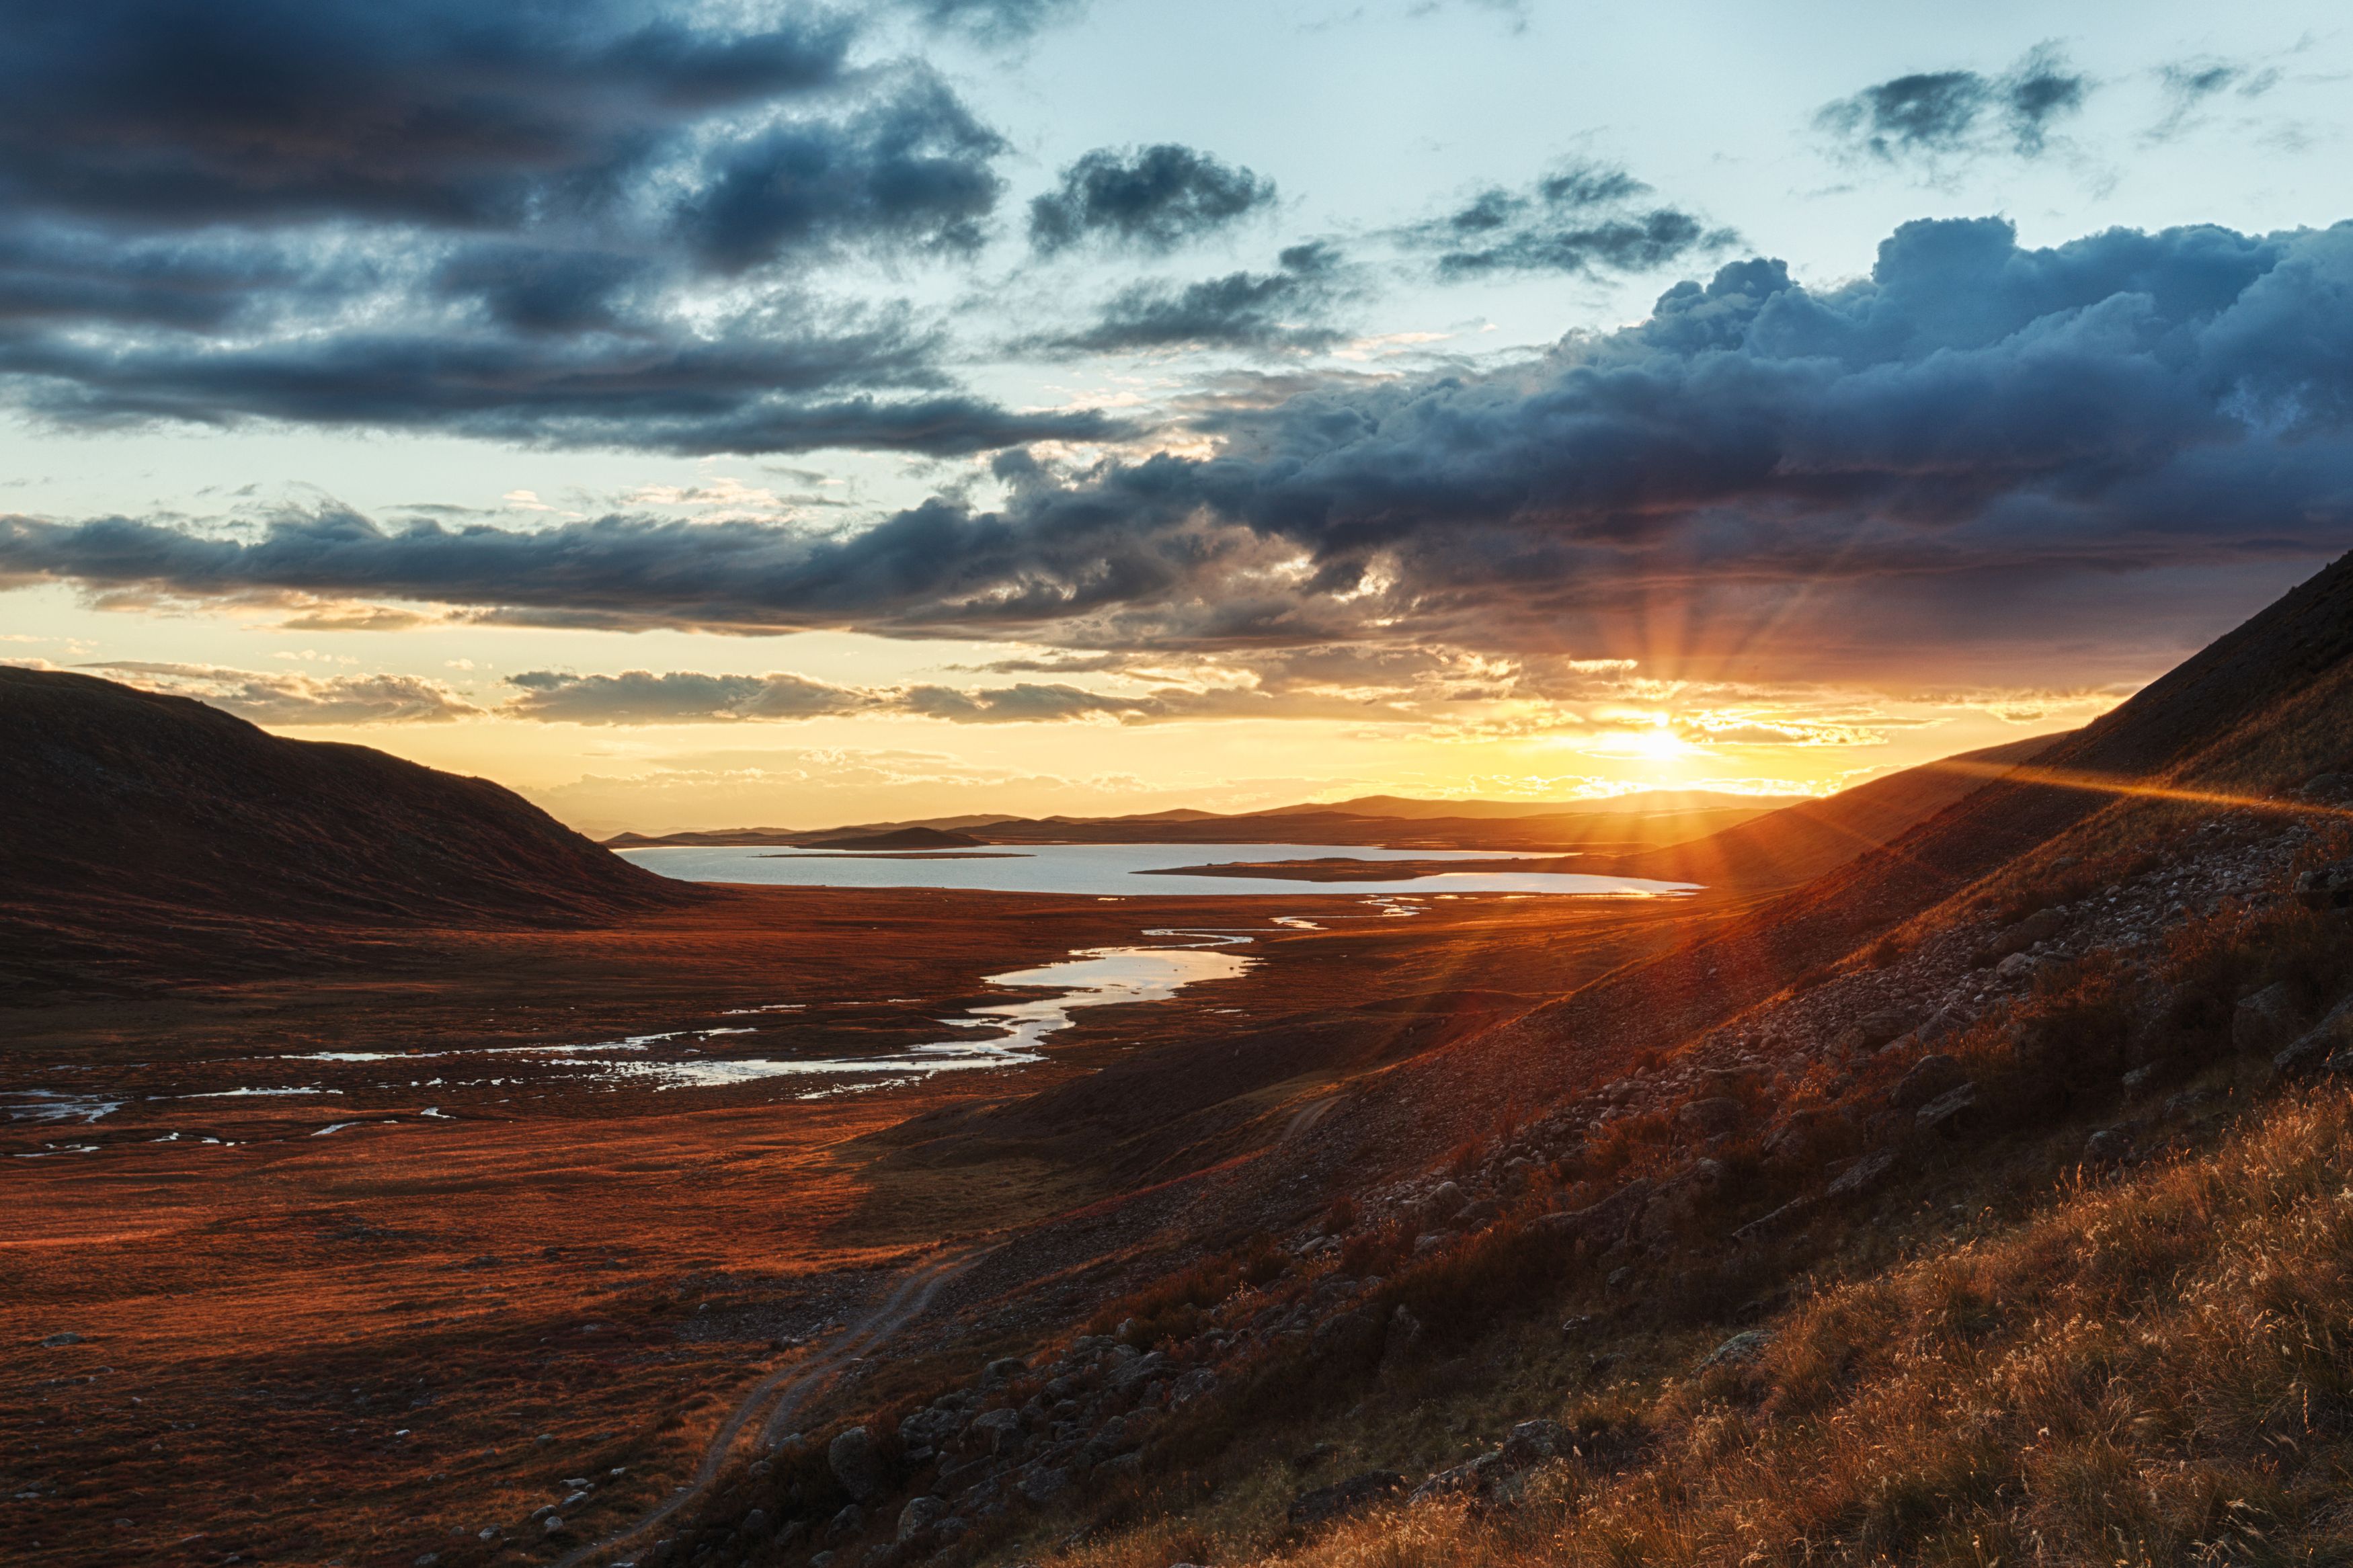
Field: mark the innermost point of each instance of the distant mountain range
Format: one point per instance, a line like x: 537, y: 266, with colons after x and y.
x: 1616, y: 824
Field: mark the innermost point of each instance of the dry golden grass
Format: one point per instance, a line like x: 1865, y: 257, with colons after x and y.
x: 2158, y: 1371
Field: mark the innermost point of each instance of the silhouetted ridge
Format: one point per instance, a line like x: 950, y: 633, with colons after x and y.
x: 120, y: 804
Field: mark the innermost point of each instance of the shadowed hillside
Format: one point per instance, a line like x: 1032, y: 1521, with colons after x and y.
x: 1800, y: 842
x: 130, y: 820
x: 1846, y: 1136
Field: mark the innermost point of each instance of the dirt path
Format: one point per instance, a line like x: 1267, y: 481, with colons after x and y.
x: 774, y: 1399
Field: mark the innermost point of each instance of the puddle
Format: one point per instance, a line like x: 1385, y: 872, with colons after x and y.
x: 56, y: 1105
x: 1095, y: 977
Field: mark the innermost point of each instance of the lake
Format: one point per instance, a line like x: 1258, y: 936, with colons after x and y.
x: 1118, y: 871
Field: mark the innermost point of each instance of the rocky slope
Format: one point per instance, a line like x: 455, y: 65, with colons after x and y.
x: 2094, y: 967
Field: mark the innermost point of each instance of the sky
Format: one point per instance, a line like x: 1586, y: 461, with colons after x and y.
x: 767, y: 413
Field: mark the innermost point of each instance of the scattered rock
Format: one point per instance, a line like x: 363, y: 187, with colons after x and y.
x: 1604, y: 1224
x: 855, y: 1464
x: 1341, y: 1498
x: 64, y: 1339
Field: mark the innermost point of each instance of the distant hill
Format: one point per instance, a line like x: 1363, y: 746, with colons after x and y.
x: 124, y: 811
x: 899, y: 838
x: 1638, y: 802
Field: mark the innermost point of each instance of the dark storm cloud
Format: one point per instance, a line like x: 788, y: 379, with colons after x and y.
x: 591, y: 224
x: 456, y: 112
x: 1584, y: 218
x: 1930, y: 113
x: 1256, y: 311
x: 1955, y: 445
x: 688, y: 697
x: 1147, y: 198
x: 776, y: 386
x: 913, y: 169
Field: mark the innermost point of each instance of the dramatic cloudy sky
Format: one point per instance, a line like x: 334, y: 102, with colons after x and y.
x: 757, y: 412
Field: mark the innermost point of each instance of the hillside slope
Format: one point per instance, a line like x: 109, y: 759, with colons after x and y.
x: 126, y: 814
x: 1800, y: 842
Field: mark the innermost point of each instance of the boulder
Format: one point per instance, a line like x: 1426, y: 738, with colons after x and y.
x: 2265, y: 1022
x: 1931, y: 1077
x: 1403, y: 1335
x: 1532, y: 1442
x: 919, y: 1514
x: 847, y: 1523
x: 997, y: 1431
x: 1944, y: 1022
x: 1712, y: 1118
x: 2329, y: 887
x: 1470, y: 1479
x: 1738, y: 1351
x: 1788, y: 1216
x: 1043, y: 1484
x: 1134, y: 1374
x: 1443, y: 1203
x: 2039, y: 926
x: 1194, y: 1383
x: 1341, y: 1498
x: 2018, y: 968
x: 1864, y: 1174
x: 855, y: 1464
x: 2107, y: 1146
x: 2316, y: 1045
x: 1949, y: 1110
